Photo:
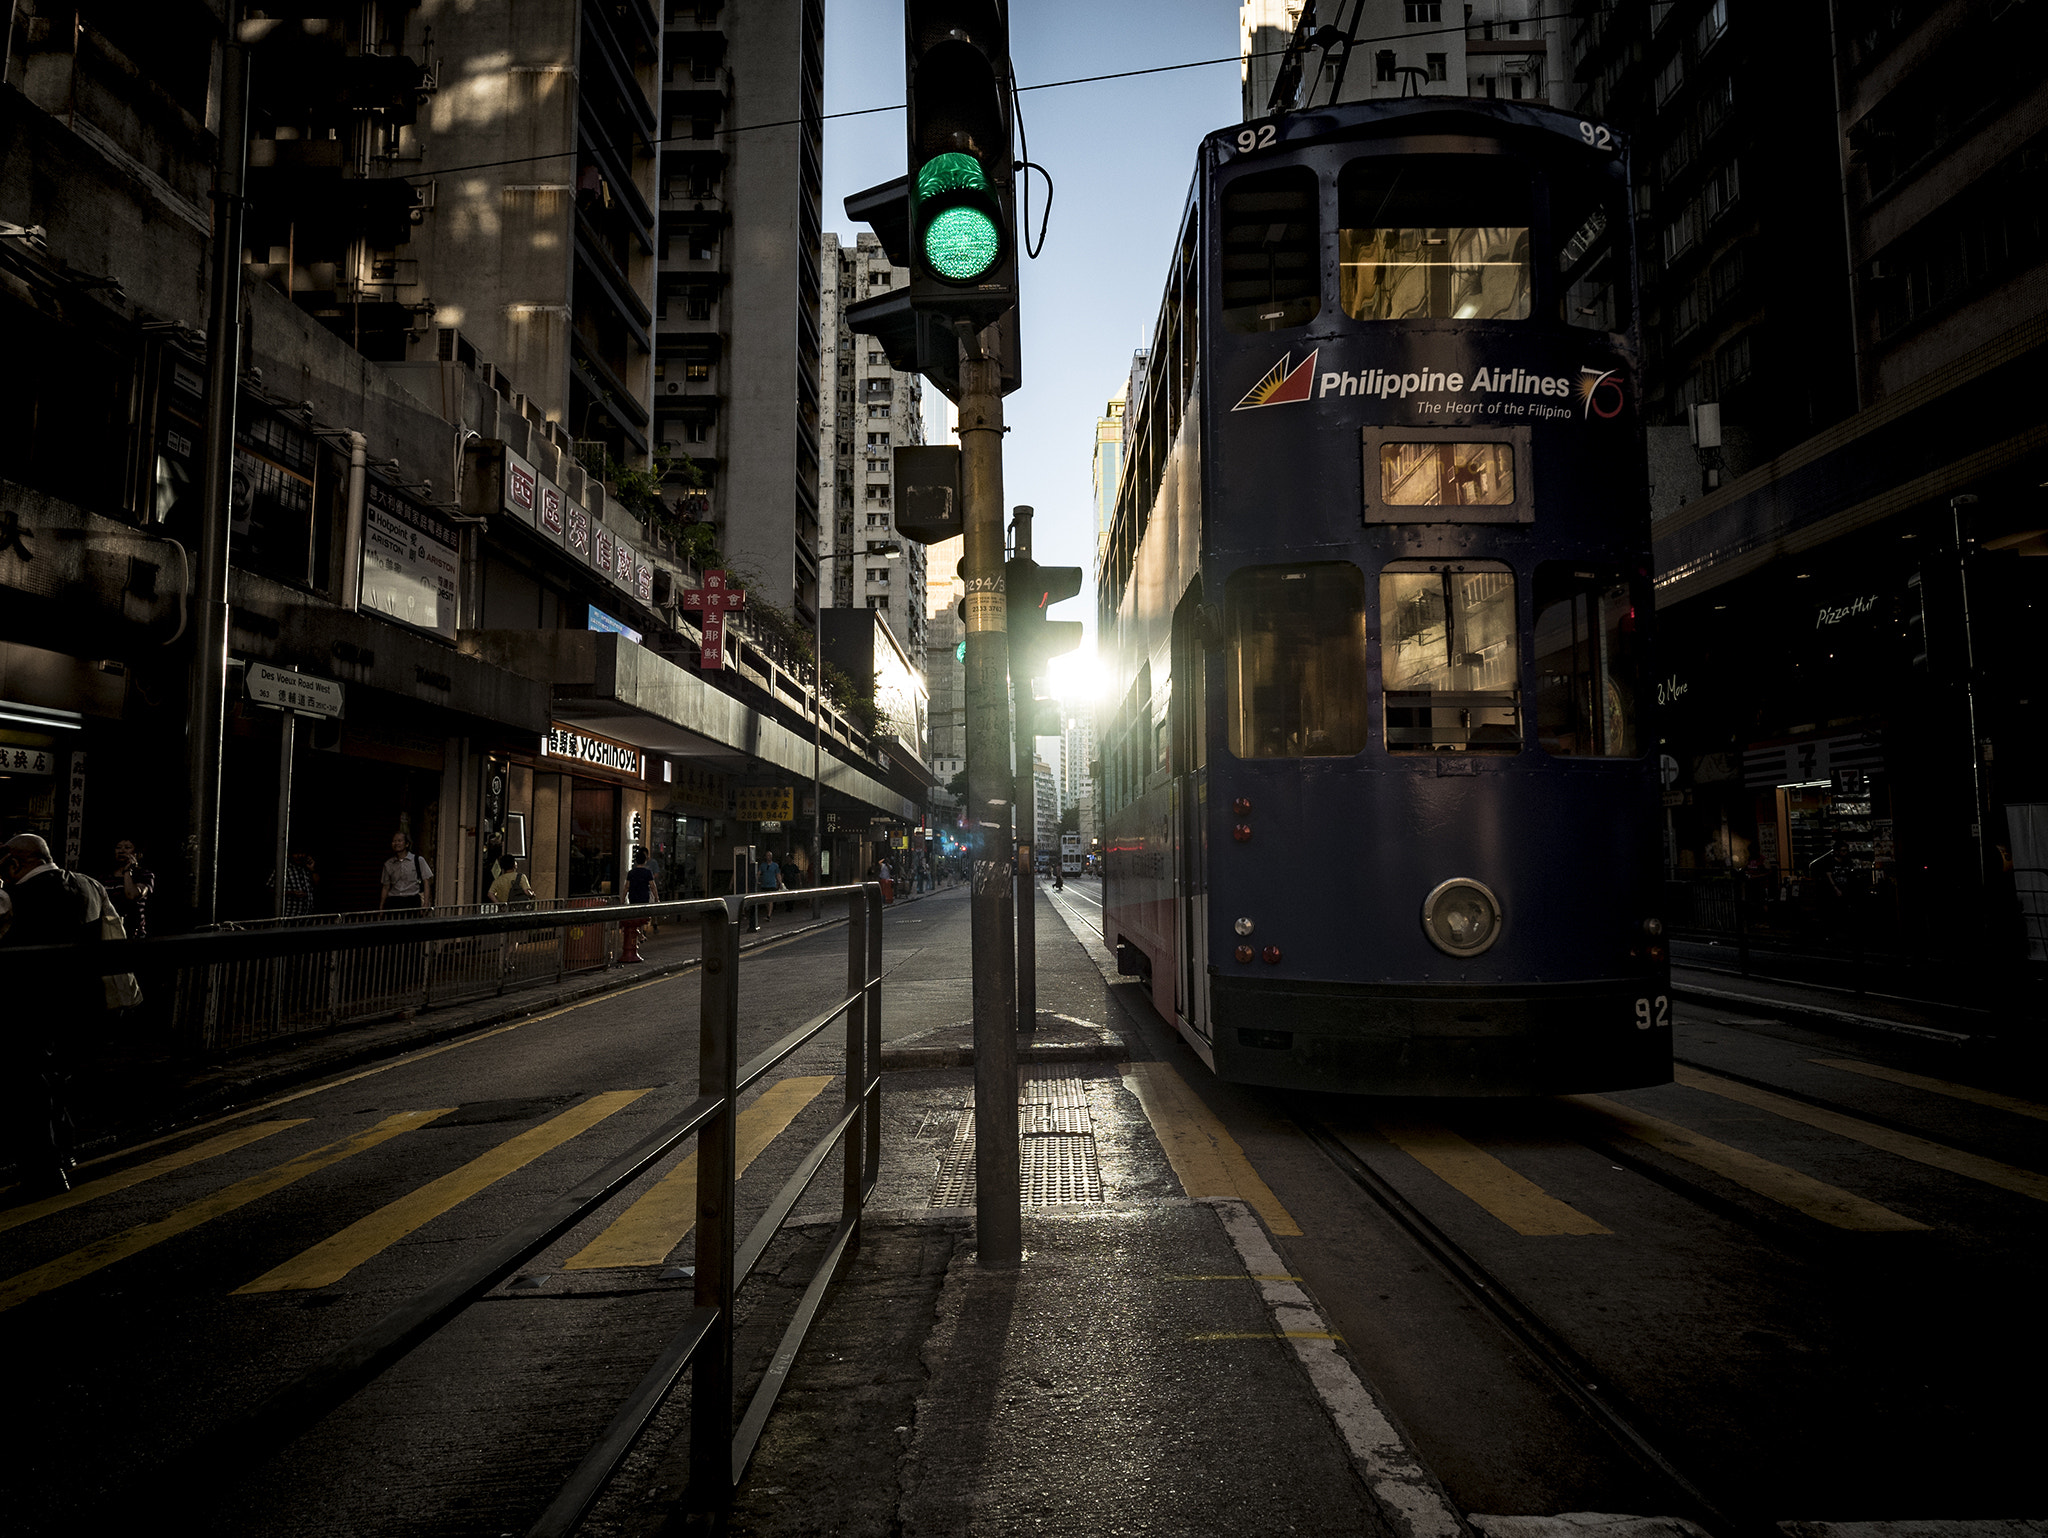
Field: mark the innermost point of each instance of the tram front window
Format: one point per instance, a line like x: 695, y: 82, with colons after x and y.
x: 1448, y: 662
x: 1588, y: 663
x: 1272, y: 250
x: 1433, y: 237
x: 1297, y: 674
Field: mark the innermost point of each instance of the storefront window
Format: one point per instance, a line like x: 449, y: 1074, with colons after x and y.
x: 593, y: 840
x: 1297, y: 673
x: 1433, y: 237
x: 1447, y: 660
x: 1588, y: 663
x: 679, y: 844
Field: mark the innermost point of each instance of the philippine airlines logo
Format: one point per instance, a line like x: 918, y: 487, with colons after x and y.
x: 1282, y: 384
x: 1601, y: 392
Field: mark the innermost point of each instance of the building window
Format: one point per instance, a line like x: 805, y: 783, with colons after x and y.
x: 878, y: 413
x: 1683, y: 232
x: 1423, y: 10
x: 703, y: 245
x: 880, y: 279
x: 878, y: 520
x: 879, y: 574
x: 1734, y: 362
x: 876, y: 359
x: 881, y: 601
x: 1713, y: 25
x: 1439, y: 65
x: 1383, y: 64
x: 878, y: 467
x: 696, y: 371
x: 878, y: 493
x: 878, y: 440
x: 1721, y: 190
x: 1670, y: 78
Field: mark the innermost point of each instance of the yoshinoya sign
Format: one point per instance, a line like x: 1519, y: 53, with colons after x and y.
x: 580, y: 747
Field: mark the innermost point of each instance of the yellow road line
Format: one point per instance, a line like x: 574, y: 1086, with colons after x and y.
x: 1202, y: 1152
x: 647, y: 1232
x: 426, y: 1052
x: 333, y: 1258
x: 1471, y: 1171
x: 198, y: 1153
x: 1969, y: 1092
x: 1787, y: 1187
x: 132, y: 1241
x: 2007, y: 1177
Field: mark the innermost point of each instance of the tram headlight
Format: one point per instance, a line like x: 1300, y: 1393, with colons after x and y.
x: 1461, y: 917
x: 1653, y: 927
x: 1243, y: 926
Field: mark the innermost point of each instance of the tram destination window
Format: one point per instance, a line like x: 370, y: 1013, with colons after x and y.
x: 1297, y: 665
x: 1433, y: 237
x: 1272, y: 250
x: 1448, y: 662
x: 1588, y: 663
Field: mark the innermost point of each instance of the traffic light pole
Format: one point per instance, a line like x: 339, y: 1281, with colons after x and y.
x: 1027, y: 811
x: 990, y: 792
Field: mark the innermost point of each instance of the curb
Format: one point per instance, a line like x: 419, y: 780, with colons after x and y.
x: 1813, y: 1014
x: 1108, y: 1047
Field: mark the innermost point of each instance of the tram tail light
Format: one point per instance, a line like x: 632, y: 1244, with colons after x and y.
x: 1242, y: 833
x: 1244, y: 955
x: 1240, y: 807
x: 1270, y: 955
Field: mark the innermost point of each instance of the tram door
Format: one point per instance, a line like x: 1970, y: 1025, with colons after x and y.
x: 1189, y: 747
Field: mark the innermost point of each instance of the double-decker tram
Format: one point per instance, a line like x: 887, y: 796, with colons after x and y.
x: 1382, y: 810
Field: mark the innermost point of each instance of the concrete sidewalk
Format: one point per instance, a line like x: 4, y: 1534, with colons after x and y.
x: 1151, y: 1368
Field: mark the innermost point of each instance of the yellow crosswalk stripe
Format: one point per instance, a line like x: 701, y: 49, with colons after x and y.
x: 1202, y: 1152
x: 647, y: 1232
x: 2007, y: 1177
x: 1513, y: 1198
x: 135, y: 1175
x: 1969, y: 1092
x: 333, y: 1258
x: 132, y: 1241
x: 1787, y: 1187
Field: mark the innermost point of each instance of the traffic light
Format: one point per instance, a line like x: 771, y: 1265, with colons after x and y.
x: 961, y: 220
x: 1031, y: 589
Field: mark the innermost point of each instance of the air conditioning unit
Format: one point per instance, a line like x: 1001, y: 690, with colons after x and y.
x: 672, y: 388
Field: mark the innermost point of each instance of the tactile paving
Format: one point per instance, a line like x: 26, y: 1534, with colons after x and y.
x: 1056, y: 1148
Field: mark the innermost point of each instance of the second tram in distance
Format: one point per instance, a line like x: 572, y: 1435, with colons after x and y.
x: 1380, y: 807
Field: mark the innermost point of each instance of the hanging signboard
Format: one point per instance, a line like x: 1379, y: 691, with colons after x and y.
x: 547, y: 511
x: 601, y: 547
x: 576, y: 528
x: 411, y: 561
x: 522, y: 488
x: 623, y: 562
x: 715, y: 599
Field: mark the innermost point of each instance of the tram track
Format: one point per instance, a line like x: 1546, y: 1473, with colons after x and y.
x: 1576, y: 1378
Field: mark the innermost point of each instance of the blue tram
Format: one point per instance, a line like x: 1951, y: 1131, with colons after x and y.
x: 1381, y: 806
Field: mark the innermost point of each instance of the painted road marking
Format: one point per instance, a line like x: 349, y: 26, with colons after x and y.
x: 333, y: 1258
x: 747, y: 954
x: 2007, y: 1177
x: 1969, y: 1092
x: 1787, y: 1187
x: 132, y: 1241
x: 647, y: 1232
x: 198, y: 1153
x: 1473, y: 1172
x: 1413, y: 1503
x: 1266, y: 1335
x: 1202, y: 1152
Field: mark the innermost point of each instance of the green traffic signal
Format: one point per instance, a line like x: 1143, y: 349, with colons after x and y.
x: 960, y: 239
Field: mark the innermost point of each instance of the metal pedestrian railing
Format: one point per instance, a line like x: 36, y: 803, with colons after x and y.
x: 721, y: 1443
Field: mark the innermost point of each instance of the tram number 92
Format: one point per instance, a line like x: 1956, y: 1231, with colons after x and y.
x: 1262, y: 138
x: 1653, y: 1011
x: 1599, y: 137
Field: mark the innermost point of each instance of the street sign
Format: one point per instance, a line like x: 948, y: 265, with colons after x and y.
x: 764, y: 803
x: 282, y: 689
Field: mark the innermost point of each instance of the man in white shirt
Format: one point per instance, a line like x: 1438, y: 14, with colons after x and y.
x: 408, y: 880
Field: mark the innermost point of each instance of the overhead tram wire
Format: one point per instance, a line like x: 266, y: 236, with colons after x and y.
x: 1046, y: 85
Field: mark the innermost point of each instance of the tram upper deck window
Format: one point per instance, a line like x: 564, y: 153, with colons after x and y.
x: 1448, y: 663
x: 1297, y: 665
x: 1433, y: 237
x: 1588, y: 663
x: 1272, y: 250
x: 1592, y: 260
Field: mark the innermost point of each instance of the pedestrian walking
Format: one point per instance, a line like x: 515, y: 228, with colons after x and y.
x: 888, y: 879
x: 771, y: 877
x: 511, y: 888
x: 408, y: 884
x: 300, y: 879
x: 130, y: 886
x: 50, y: 1007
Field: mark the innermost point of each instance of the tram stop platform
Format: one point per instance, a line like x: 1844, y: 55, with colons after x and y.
x: 1151, y: 1368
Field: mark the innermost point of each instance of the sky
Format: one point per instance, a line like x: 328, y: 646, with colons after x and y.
x: 1122, y: 157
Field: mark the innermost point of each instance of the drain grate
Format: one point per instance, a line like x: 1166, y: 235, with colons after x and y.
x: 1056, y: 1152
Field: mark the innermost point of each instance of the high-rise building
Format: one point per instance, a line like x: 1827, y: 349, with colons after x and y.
x: 1078, y: 786
x: 739, y: 337
x: 1505, y: 50
x: 945, y: 668
x: 1046, y: 802
x: 868, y: 411
x: 1108, y: 463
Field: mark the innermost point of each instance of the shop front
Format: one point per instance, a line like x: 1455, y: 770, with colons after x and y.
x: 589, y: 798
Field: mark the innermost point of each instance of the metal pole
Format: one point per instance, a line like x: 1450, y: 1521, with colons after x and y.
x: 208, y: 683
x: 990, y: 789
x: 856, y: 1047
x: 1955, y: 511
x: 818, y: 746
x: 1027, y: 809
x: 287, y: 734
x: 711, y: 1481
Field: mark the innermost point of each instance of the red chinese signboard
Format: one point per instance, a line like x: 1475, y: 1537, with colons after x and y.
x: 715, y: 599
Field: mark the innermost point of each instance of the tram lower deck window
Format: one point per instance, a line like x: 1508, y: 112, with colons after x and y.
x: 1433, y: 237
x: 1588, y: 663
x: 1297, y: 668
x: 1448, y: 660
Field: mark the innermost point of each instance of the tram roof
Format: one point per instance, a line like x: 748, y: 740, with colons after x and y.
x: 1507, y: 120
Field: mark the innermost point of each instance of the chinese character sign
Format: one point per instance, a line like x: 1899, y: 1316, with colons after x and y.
x: 715, y: 599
